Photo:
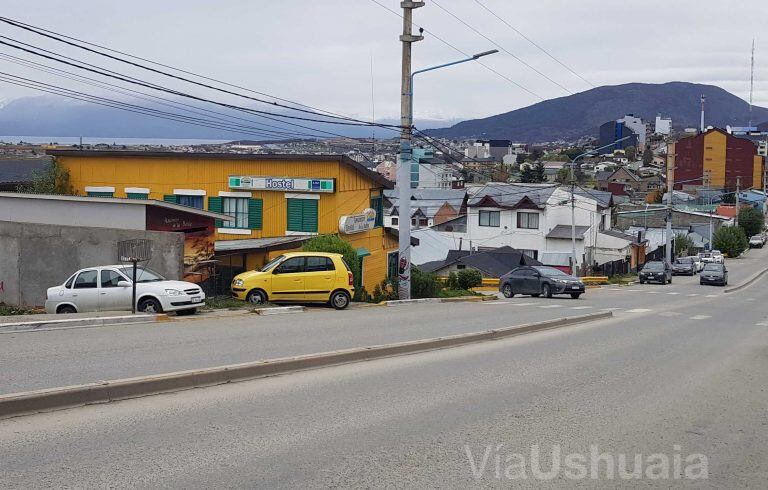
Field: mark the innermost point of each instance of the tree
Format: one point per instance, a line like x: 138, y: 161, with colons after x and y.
x: 683, y: 244
x: 520, y: 158
x: 647, y: 156
x: 53, y: 179
x: 751, y: 221
x: 332, y: 243
x: 423, y: 284
x: 538, y: 173
x: 563, y: 175
x: 527, y: 175
x: 730, y: 240
x: 630, y: 152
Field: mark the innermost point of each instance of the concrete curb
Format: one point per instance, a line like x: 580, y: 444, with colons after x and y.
x: 400, y: 302
x: 279, y: 310
x: 468, y: 299
x: 16, y: 404
x: 457, y: 299
x: 748, y: 282
x: 80, y: 322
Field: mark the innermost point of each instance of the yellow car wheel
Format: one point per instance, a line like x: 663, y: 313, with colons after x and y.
x: 256, y: 297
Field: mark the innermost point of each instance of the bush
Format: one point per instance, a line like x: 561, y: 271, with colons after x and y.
x: 730, y: 240
x: 751, y: 221
x: 469, y: 278
x: 385, y: 291
x: 453, y: 281
x: 334, y: 244
x: 423, y: 284
x: 682, y: 245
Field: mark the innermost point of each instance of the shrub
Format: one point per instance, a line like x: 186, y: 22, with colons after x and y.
x: 730, y: 240
x: 332, y: 243
x: 469, y: 278
x: 682, y: 245
x: 423, y: 284
x: 453, y: 281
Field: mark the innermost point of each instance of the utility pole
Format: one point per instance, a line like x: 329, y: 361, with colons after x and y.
x: 670, y: 191
x: 738, y: 189
x: 406, y: 158
x: 574, y: 270
x: 708, y: 183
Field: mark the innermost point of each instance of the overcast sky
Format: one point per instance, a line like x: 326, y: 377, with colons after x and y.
x: 320, y: 52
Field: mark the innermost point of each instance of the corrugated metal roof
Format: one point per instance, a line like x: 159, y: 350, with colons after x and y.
x: 256, y: 243
x: 564, y: 231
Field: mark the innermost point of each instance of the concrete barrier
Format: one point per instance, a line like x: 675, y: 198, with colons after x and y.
x: 102, y: 321
x: 30, y: 402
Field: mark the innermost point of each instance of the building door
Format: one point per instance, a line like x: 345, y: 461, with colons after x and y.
x: 288, y: 280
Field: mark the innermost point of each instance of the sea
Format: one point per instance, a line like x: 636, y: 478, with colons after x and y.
x: 75, y: 140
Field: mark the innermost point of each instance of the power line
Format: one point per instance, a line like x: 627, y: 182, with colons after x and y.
x: 533, y: 42
x: 496, y: 72
x: 347, y: 120
x: 479, y: 33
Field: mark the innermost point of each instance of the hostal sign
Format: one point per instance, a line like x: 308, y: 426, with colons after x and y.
x: 358, y: 223
x: 281, y: 184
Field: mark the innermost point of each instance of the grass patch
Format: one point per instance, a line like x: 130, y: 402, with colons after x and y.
x: 8, y: 310
x: 622, y: 279
x: 226, y: 303
x: 455, y: 293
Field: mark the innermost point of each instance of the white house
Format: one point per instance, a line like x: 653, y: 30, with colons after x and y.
x: 536, y: 218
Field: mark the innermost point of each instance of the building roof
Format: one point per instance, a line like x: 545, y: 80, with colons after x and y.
x: 341, y: 159
x: 508, y: 195
x: 21, y: 170
x: 273, y: 243
x: 604, y: 198
x: 117, y: 200
x: 429, y: 201
x: 603, y: 175
x: 620, y: 234
x: 492, y: 263
x: 564, y: 232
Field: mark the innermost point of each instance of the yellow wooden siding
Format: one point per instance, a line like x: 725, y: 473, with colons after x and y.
x: 714, y: 157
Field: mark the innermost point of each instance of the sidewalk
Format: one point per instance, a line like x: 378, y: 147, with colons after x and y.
x: 44, y: 317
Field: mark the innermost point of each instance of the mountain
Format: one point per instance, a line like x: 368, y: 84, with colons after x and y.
x: 569, y: 118
x: 58, y: 117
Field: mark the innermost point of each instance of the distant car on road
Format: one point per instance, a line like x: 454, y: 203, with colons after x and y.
x: 756, y: 241
x: 714, y: 274
x: 698, y: 264
x: 718, y: 257
x: 655, y: 272
x: 109, y: 288
x: 539, y: 281
x: 684, y: 265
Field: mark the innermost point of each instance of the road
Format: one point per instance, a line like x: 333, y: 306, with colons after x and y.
x: 689, y: 376
x: 36, y: 360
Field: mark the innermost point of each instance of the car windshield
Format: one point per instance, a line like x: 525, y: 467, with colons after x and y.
x: 271, y: 263
x: 653, y: 266
x: 713, y: 268
x: 705, y: 255
x: 684, y: 260
x: 757, y: 237
x: 142, y: 274
x: 550, y: 271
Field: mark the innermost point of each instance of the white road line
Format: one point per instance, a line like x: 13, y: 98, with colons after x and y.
x: 581, y: 307
x: 551, y: 306
x: 524, y: 304
x: 673, y: 293
x: 633, y: 290
x: 750, y: 299
x: 692, y: 294
x: 711, y: 296
x: 638, y: 310
x: 616, y: 289
x: 653, y: 292
x: 615, y: 308
x: 762, y: 324
x: 669, y: 313
x: 701, y: 317
x: 496, y: 302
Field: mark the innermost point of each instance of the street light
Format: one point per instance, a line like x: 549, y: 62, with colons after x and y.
x: 573, y: 198
x: 404, y: 182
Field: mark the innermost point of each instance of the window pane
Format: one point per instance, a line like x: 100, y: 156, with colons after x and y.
x: 237, y: 207
x: 191, y: 201
x: 86, y: 280
x: 110, y: 278
x: 295, y: 264
x: 317, y: 264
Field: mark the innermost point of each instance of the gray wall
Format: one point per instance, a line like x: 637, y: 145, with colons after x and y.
x: 34, y: 257
x: 37, y: 209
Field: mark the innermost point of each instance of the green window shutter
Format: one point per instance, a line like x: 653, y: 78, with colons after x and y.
x: 295, y: 213
x: 173, y: 198
x: 137, y: 195
x: 100, y: 194
x: 377, y: 204
x: 255, y: 209
x: 309, y: 218
x: 215, y: 206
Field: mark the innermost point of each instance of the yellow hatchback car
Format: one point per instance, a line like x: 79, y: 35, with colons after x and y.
x: 298, y: 277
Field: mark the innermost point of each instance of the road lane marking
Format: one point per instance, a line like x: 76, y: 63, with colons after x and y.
x: 633, y: 290
x: 580, y: 307
x: 551, y: 306
x: 711, y: 296
x: 653, y: 292
x: 673, y: 293
x: 750, y: 299
x: 638, y: 310
x: 524, y: 304
x: 701, y: 317
x: 762, y: 324
x: 615, y: 308
x: 669, y: 313
x: 497, y: 302
x: 692, y: 295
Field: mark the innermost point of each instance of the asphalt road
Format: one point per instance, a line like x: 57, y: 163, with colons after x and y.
x: 35, y: 360
x: 687, y: 377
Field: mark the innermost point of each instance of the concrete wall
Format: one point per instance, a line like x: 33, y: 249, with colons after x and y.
x: 72, y: 213
x: 34, y: 257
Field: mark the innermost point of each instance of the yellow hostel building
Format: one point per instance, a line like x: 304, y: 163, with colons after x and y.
x: 276, y: 202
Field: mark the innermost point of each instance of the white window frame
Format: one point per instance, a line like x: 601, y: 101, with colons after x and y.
x: 136, y: 190
x: 189, y: 192
x: 99, y: 189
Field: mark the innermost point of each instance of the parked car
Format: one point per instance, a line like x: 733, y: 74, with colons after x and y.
x: 756, y: 241
x: 706, y: 257
x: 298, y: 277
x: 539, y: 281
x: 714, y: 274
x: 655, y: 271
x: 698, y: 264
x: 109, y: 288
x: 684, y: 266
